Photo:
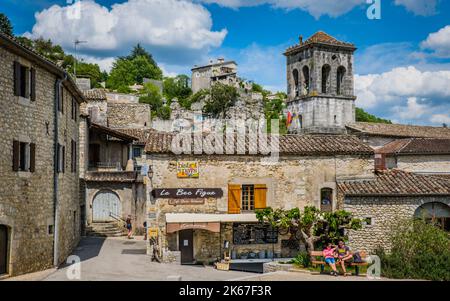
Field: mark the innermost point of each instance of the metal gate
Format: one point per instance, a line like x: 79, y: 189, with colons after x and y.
x: 105, y: 204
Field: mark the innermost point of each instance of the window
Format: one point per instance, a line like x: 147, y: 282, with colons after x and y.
x: 326, y: 70
x: 367, y: 221
x: 24, y: 81
x: 295, y: 75
x: 74, y: 109
x: 305, y: 80
x: 73, y: 156
x: 137, y: 152
x: 340, y: 80
x: 248, y: 197
x: 61, y: 163
x: 24, y: 156
x: 50, y: 230
x: 380, y: 161
x: 326, y: 200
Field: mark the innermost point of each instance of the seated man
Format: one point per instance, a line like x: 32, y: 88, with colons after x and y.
x: 343, y: 255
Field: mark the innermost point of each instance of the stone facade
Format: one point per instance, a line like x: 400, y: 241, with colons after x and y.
x: 321, y: 107
x: 385, y: 213
x: 424, y: 163
x: 27, y: 205
x: 128, y: 115
x: 294, y: 182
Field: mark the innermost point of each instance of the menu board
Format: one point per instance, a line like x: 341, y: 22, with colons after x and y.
x: 249, y: 234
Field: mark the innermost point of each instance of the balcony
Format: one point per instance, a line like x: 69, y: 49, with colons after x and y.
x: 105, y: 166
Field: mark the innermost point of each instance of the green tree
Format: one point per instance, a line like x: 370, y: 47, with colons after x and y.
x: 363, y: 116
x: 126, y: 72
x: 153, y: 97
x: 5, y: 25
x: 47, y: 49
x: 221, y: 98
x: 25, y: 41
x: 273, y: 110
x: 310, y: 225
x: 91, y: 71
x: 177, y: 87
x: 137, y: 51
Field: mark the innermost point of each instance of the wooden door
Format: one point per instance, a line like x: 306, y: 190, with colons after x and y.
x: 186, y: 243
x: 3, y: 249
x: 105, y: 204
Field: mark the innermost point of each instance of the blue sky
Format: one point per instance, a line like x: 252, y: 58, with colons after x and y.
x: 402, y: 62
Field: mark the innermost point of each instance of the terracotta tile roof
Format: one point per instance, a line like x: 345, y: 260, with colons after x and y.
x: 305, y: 145
x: 399, y: 130
x: 114, y: 176
x: 12, y: 44
x: 95, y: 94
x: 396, y: 183
x: 322, y: 38
x: 112, y: 132
x: 416, y: 146
x: 142, y: 134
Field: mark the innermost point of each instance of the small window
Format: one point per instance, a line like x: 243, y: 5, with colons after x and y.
x: 326, y: 200
x: 74, y: 112
x: 248, y: 197
x: 24, y: 81
x: 24, y: 156
x: 73, y: 156
x: 61, y: 100
x: 61, y: 158
x: 137, y: 152
x: 50, y: 230
x: 367, y: 221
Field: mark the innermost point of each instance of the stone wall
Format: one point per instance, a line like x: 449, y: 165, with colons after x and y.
x: 26, y: 198
x: 386, y: 213
x: 128, y: 115
x: 424, y: 163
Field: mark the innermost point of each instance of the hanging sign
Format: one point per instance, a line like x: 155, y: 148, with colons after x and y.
x: 187, y: 193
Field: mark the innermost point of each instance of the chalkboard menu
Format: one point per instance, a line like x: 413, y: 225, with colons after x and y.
x: 249, y: 234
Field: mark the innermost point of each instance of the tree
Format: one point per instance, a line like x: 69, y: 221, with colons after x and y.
x: 273, y: 110
x: 221, y: 98
x: 310, y: 226
x: 363, y: 116
x: 46, y: 48
x: 126, y: 72
x: 177, y: 87
x: 5, y: 25
x: 137, y: 51
x: 91, y: 71
x: 154, y: 98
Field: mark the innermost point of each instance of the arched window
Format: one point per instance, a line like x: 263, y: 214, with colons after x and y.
x: 435, y: 212
x: 326, y: 70
x: 295, y: 75
x: 340, y: 80
x: 326, y: 200
x: 305, y: 84
x: 300, y: 121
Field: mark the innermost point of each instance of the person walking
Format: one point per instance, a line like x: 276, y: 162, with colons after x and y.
x: 129, y: 227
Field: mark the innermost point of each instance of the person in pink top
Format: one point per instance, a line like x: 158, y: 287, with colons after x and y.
x: 328, y: 254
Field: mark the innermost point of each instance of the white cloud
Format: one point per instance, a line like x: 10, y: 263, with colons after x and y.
x: 165, y: 27
x: 440, y: 118
x: 419, y: 7
x: 414, y: 109
x: 439, y: 42
x: 316, y: 8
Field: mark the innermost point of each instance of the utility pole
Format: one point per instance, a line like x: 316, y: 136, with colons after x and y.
x: 76, y: 43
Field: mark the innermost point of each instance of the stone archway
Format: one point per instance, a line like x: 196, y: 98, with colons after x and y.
x: 435, y: 212
x: 106, y: 206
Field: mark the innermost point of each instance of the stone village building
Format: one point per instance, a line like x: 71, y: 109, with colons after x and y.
x: 39, y: 196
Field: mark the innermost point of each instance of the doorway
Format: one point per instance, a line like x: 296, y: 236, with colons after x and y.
x: 3, y: 249
x: 106, y: 207
x: 186, y: 243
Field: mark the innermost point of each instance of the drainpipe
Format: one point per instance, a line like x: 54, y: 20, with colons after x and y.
x: 58, y: 84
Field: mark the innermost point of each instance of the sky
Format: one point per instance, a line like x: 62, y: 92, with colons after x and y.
x: 402, y: 65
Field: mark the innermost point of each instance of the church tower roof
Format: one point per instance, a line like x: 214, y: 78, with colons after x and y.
x: 319, y: 38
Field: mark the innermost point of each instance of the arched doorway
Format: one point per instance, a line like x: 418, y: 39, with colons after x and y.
x: 435, y: 212
x: 326, y: 70
x: 3, y: 249
x: 105, y: 206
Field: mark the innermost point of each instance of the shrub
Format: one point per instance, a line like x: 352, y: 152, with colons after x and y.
x: 419, y: 251
x: 302, y: 259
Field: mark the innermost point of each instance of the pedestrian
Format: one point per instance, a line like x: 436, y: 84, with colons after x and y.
x: 129, y: 226
x: 328, y: 254
x: 145, y: 229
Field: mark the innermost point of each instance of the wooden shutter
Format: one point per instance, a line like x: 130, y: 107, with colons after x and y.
x: 33, y: 84
x: 16, y: 155
x: 63, y: 159
x: 32, y: 157
x: 260, y: 196
x: 17, y: 78
x: 234, y: 199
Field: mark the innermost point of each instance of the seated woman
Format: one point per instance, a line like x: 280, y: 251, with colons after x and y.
x: 344, y: 255
x: 328, y: 254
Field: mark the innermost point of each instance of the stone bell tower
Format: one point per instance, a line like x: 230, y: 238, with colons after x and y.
x: 320, y: 87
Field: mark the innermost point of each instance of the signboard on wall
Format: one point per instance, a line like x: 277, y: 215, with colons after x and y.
x: 187, y: 169
x: 186, y: 202
x: 152, y: 232
x: 187, y: 193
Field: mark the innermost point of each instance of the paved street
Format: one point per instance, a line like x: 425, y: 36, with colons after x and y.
x: 118, y: 259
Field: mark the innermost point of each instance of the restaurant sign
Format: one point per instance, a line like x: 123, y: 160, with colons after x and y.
x: 187, y: 193
x: 187, y: 169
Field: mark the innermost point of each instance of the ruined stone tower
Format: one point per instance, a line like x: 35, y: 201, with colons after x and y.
x: 320, y: 85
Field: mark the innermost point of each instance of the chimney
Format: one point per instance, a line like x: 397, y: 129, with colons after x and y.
x: 220, y: 60
x: 301, y: 39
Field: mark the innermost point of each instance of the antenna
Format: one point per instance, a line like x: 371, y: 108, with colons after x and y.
x: 76, y: 43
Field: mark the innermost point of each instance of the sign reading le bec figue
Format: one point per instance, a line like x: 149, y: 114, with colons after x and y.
x: 191, y: 193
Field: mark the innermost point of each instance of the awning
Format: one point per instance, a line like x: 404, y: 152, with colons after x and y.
x: 210, y: 218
